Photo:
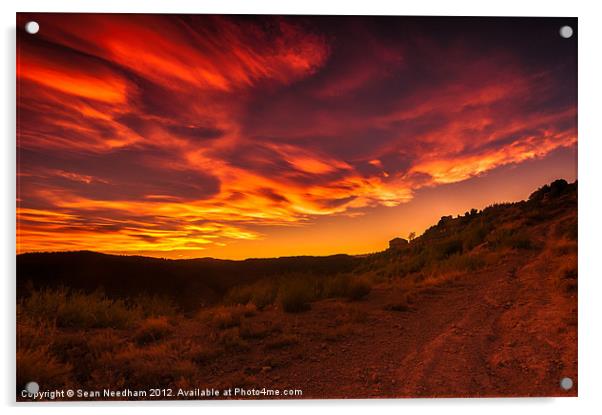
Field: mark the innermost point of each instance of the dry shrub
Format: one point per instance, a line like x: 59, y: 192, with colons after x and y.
x: 261, y: 294
x: 425, y: 281
x: 33, y: 333
x: 510, y: 238
x: 83, y: 349
x: 230, y: 339
x: 296, y: 292
x: 335, y: 286
x: 224, y: 317
x: 155, y: 305
x: 358, y: 289
x: 153, y: 329
x: 38, y: 364
x: 43, y: 305
x: 157, y: 365
x: 295, y: 295
x: 77, y: 346
x: 106, y: 340
x: 79, y: 310
x: 202, y: 353
x: 84, y: 311
x: 346, y: 286
x: 35, y: 361
x: 568, y: 228
x: 456, y: 264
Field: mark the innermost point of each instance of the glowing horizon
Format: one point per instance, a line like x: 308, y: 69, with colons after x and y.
x: 238, y: 136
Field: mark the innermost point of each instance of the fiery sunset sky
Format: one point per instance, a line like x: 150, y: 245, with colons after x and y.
x: 239, y: 136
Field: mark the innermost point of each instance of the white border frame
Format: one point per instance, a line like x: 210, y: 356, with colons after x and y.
x: 590, y: 228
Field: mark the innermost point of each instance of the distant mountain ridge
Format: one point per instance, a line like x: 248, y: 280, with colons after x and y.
x: 190, y: 280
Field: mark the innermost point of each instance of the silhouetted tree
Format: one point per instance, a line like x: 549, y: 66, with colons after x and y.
x: 558, y: 187
x: 444, y: 220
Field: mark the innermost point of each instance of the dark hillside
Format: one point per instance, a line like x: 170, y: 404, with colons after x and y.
x: 459, y: 241
x: 190, y: 282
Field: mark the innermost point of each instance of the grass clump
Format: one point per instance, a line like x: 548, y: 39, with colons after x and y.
x: 74, y: 309
x: 202, y: 354
x: 457, y: 263
x: 295, y: 295
x: 224, y: 317
x: 40, y: 365
x: 261, y: 294
x: 152, y: 330
x: 510, y: 238
x: 155, y: 305
x: 158, y: 364
x: 358, y: 289
x: 296, y: 292
x: 231, y: 340
x: 346, y: 286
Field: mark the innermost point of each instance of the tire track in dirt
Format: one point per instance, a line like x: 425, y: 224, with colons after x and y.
x: 426, y: 352
x: 456, y: 361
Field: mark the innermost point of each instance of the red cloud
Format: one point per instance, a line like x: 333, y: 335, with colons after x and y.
x: 172, y: 133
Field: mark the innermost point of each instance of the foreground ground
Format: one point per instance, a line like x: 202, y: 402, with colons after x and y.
x: 510, y: 331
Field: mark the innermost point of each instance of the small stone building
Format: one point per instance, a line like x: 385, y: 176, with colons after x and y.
x: 398, y: 243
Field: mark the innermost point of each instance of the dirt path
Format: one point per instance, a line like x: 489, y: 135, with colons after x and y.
x: 440, y: 348
x: 454, y: 359
x: 504, y: 332
x: 473, y: 337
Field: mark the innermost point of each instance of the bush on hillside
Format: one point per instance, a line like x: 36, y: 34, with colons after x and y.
x: 79, y: 310
x: 295, y: 296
